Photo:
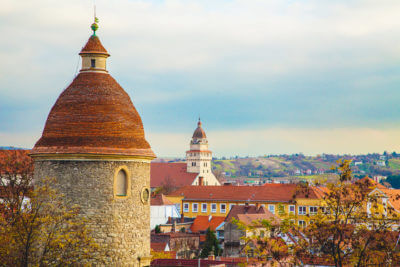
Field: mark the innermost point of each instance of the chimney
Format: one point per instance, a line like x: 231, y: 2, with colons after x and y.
x: 201, y: 180
x: 182, y: 218
x: 246, y: 207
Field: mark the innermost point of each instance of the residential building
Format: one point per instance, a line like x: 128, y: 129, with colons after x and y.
x: 247, y: 215
x: 186, y: 245
x: 202, y: 223
x: 280, y: 199
x: 161, y: 209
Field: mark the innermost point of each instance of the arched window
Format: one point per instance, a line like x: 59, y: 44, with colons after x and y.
x: 121, y: 184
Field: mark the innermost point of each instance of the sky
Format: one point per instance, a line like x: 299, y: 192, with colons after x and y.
x: 265, y: 76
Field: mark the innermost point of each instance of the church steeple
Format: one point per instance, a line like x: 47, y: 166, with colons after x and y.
x: 93, y: 54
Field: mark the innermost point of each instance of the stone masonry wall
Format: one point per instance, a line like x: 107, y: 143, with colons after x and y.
x: 121, y: 227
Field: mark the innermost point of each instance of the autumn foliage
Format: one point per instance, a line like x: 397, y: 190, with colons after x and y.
x: 36, y: 227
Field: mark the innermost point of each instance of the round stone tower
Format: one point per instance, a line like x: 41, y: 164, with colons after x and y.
x: 93, y: 144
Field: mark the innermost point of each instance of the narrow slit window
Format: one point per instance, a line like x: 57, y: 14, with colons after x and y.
x: 93, y: 63
x: 121, y: 184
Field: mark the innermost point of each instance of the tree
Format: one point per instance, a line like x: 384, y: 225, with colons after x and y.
x: 37, y: 227
x: 210, y: 245
x: 263, y: 240
x: 157, y: 229
x: 344, y: 231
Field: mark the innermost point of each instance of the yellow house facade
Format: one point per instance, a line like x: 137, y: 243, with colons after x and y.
x: 279, y: 199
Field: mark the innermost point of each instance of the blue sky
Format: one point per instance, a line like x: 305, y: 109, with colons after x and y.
x: 268, y: 76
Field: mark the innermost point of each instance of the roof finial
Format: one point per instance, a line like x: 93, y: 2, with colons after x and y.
x: 94, y: 26
x: 199, y: 123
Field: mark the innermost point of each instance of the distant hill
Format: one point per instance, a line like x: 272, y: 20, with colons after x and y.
x: 300, y: 165
x: 12, y: 148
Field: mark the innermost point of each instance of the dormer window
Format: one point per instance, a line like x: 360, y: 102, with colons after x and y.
x: 93, y: 63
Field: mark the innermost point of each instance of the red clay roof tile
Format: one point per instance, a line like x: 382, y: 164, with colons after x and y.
x: 94, y: 115
x: 173, y: 174
x: 202, y: 223
x: 251, y: 194
x: 93, y: 46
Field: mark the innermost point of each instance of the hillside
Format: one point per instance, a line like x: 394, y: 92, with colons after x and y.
x: 304, y: 167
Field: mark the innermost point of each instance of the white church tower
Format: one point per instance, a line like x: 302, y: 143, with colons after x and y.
x: 199, y: 158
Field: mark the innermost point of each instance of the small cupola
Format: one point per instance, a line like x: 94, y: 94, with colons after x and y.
x: 94, y: 55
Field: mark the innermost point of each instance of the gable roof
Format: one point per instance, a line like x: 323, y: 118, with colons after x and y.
x: 160, y: 200
x: 158, y: 247
x: 174, y: 174
x: 250, y: 194
x: 202, y: 223
x: 248, y: 219
x: 371, y: 183
x: 394, y: 197
x: 244, y: 209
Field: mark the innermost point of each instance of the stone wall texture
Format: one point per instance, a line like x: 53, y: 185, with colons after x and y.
x: 121, y: 226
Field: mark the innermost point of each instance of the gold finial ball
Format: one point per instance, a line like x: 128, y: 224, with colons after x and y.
x: 94, y: 27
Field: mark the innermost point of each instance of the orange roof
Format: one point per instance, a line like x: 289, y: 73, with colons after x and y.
x: 394, y: 197
x: 160, y: 200
x: 202, y: 223
x: 93, y: 46
x: 158, y: 247
x: 270, y: 192
x: 247, y: 209
x: 248, y: 219
x: 93, y: 115
x: 372, y: 183
x: 174, y: 174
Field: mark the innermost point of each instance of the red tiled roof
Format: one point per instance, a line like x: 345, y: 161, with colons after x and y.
x: 158, y: 246
x: 372, y: 183
x: 240, y: 209
x: 8, y: 158
x: 174, y: 174
x: 94, y: 115
x: 202, y: 223
x: 248, y: 219
x: 160, y: 200
x: 271, y: 192
x: 93, y: 46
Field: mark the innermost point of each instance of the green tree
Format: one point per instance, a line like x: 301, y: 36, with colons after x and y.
x: 210, y: 245
x: 157, y: 229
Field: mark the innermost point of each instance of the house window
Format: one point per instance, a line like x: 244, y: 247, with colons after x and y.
x: 185, y: 207
x: 121, y: 184
x: 271, y: 208
x: 313, y: 210
x: 292, y: 209
x: 93, y: 63
x: 213, y: 208
x: 195, y: 207
x: 302, y: 224
x: 302, y: 210
x: 203, y: 207
x: 222, y: 208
